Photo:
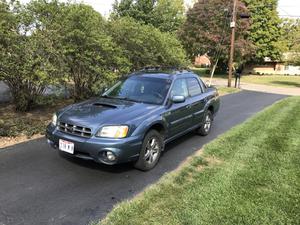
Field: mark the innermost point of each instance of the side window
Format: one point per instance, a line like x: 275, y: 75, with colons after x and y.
x: 179, y: 88
x: 193, y: 86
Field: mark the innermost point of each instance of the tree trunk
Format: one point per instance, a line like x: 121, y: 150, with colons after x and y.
x: 22, y: 100
x: 212, y: 72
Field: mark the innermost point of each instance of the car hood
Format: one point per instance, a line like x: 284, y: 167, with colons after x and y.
x: 99, y: 111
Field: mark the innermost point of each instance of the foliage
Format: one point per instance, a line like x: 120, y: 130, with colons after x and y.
x: 91, y: 55
x: 250, y: 175
x: 28, y: 57
x: 291, y: 41
x: 145, y: 45
x: 265, y: 30
x: 207, y: 30
x: 166, y: 15
x: 48, y: 42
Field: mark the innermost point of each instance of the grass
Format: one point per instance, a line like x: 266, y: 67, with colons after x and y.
x: 14, y: 124
x: 227, y: 90
x: 250, y: 175
x: 272, y: 80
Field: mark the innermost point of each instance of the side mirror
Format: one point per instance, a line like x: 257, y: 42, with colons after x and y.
x: 178, y: 99
x: 207, y: 83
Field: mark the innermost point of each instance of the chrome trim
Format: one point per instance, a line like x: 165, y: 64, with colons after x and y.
x: 74, y: 129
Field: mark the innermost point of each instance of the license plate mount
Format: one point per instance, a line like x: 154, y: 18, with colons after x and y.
x: 66, y: 146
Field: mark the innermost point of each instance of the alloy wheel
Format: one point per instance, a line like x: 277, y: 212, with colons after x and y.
x: 152, y: 150
x: 207, y: 123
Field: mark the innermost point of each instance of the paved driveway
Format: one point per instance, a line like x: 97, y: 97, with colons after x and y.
x: 39, y: 187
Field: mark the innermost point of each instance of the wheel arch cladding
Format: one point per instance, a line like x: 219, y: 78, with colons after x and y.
x: 211, y: 108
x: 158, y: 127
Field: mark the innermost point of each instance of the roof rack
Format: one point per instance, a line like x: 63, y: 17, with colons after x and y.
x: 170, y: 69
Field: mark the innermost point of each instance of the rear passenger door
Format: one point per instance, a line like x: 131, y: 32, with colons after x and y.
x: 197, y: 99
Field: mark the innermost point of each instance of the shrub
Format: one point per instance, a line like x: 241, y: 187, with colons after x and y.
x: 145, y: 45
x: 29, y: 60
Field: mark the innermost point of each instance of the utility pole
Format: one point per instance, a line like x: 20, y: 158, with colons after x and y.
x: 232, y: 26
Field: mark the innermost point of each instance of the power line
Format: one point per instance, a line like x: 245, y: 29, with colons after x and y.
x: 289, y: 6
x: 291, y: 16
x: 283, y: 10
x: 286, y: 13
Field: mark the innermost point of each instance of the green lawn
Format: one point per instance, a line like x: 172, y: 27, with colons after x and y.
x: 250, y: 175
x: 274, y: 80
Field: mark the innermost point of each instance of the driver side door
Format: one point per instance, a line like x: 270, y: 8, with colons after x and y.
x: 178, y: 116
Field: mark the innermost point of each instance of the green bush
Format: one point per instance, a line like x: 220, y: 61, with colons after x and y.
x: 145, y: 45
x: 92, y: 57
x: 29, y: 57
x: 69, y: 42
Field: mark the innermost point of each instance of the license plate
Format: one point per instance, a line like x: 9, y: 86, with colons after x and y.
x: 66, y: 146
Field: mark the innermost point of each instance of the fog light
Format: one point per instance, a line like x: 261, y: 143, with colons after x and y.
x: 110, y: 156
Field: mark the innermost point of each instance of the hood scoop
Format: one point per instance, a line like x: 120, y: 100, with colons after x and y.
x: 99, y: 104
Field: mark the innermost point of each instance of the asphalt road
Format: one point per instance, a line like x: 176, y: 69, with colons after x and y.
x: 37, y: 186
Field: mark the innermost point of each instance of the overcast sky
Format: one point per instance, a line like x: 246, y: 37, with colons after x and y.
x: 287, y: 8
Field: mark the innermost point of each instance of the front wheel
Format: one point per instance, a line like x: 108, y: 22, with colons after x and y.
x: 206, y: 125
x: 151, y: 151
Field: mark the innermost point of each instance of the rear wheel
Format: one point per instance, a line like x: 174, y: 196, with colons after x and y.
x: 206, y: 125
x: 151, y: 151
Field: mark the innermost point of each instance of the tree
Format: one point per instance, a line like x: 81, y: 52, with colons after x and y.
x: 93, y: 59
x: 290, y: 41
x: 207, y: 31
x: 166, y: 15
x: 28, y: 59
x: 145, y: 45
x: 265, y: 29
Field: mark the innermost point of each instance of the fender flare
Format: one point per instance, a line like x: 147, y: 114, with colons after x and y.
x: 144, y: 127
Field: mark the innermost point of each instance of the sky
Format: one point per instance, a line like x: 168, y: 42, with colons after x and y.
x: 287, y: 8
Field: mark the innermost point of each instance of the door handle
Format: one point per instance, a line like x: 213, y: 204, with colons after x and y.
x: 188, y: 106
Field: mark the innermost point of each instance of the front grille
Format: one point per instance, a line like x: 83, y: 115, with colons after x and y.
x: 75, y: 130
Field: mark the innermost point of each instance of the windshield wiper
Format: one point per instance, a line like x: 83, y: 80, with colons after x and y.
x: 121, y: 98
x: 106, y: 96
x: 128, y: 99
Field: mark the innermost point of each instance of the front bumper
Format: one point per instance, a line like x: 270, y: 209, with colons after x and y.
x: 125, y: 149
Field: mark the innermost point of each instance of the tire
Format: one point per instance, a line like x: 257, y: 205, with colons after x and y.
x: 151, y: 150
x: 205, y: 127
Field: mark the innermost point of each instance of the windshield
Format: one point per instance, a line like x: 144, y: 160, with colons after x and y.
x: 140, y: 89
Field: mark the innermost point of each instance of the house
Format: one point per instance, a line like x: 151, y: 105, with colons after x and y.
x: 273, y: 67
x: 202, y: 61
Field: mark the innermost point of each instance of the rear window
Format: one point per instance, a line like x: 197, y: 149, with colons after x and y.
x: 193, y: 86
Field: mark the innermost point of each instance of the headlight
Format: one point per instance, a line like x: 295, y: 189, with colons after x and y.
x: 54, y: 119
x: 113, y: 132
